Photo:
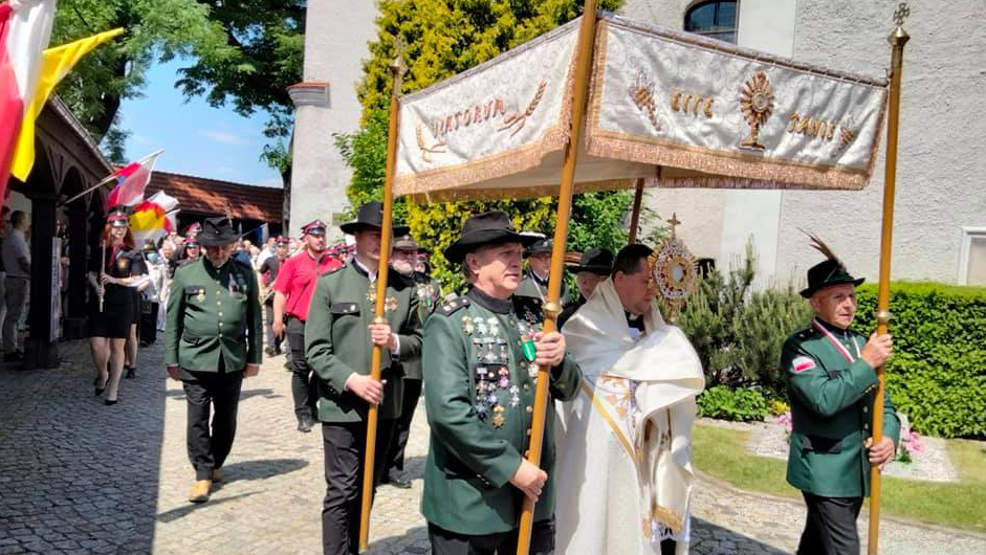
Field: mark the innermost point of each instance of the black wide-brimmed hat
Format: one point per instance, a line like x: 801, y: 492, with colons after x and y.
x: 826, y: 273
x: 596, y: 261
x: 830, y: 271
x: 370, y: 216
x: 216, y: 232
x: 485, y: 229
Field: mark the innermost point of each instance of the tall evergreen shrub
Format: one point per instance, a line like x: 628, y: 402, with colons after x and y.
x: 443, y: 38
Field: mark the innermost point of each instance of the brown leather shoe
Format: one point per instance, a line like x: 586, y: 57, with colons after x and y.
x: 200, y: 491
x: 217, y: 475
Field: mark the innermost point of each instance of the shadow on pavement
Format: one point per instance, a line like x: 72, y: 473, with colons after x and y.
x: 261, y: 469
x: 414, y: 540
x: 244, y: 395
x: 707, y: 539
x: 76, y: 475
x: 712, y: 539
x: 184, y: 510
x: 265, y: 393
x: 414, y: 467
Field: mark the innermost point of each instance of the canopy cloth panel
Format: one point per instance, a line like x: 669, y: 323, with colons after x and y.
x: 677, y: 108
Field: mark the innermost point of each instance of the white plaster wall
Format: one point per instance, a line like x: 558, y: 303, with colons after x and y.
x: 335, y: 46
x: 767, y: 26
x: 700, y: 211
x: 941, y: 167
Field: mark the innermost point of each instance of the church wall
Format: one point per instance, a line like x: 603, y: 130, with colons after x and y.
x: 335, y: 46
x: 940, y: 165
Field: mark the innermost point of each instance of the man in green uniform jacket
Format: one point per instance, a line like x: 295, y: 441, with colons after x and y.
x: 480, y: 358
x: 212, y: 340
x: 535, y: 282
x: 339, y: 339
x: 403, y: 259
x: 831, y: 382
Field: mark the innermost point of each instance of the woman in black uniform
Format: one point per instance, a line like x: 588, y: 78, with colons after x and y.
x: 112, y: 268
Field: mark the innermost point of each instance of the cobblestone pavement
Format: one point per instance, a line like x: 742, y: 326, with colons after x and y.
x: 80, y: 477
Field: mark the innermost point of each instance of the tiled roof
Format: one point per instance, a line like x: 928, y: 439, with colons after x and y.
x: 208, y: 197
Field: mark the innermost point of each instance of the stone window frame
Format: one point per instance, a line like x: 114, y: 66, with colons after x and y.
x: 968, y: 234
x: 714, y: 32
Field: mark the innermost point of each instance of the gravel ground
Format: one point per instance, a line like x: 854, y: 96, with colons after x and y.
x: 931, y: 464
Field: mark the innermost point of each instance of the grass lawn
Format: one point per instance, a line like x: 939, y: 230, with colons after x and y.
x: 722, y: 453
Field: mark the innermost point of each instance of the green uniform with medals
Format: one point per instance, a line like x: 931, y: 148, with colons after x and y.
x: 428, y: 291
x: 213, y: 331
x: 831, y: 390
x: 477, y: 360
x: 212, y: 313
x: 337, y: 345
x: 337, y: 341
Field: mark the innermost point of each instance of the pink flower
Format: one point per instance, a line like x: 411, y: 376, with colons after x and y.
x: 786, y: 420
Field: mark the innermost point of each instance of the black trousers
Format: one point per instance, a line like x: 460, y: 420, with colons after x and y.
x: 207, y: 449
x: 444, y: 542
x: 147, y: 324
x: 412, y: 393
x: 304, y: 382
x: 345, y: 451
x: 830, y: 528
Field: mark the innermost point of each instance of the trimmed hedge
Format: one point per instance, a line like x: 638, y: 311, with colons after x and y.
x: 937, y: 375
x: 738, y: 405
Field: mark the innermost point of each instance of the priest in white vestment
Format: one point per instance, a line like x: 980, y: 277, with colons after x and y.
x: 623, y: 468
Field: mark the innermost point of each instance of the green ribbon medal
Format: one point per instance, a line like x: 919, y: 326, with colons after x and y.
x: 528, y: 346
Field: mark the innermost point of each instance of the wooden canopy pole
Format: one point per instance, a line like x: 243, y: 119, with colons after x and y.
x: 583, y: 65
x: 386, y: 233
x: 638, y: 196
x: 898, y: 38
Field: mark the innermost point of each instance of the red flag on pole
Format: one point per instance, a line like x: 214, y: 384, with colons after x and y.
x: 132, y: 179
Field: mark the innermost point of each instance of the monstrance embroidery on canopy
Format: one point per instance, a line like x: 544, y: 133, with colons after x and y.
x: 756, y: 103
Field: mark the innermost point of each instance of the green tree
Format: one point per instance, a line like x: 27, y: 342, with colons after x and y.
x: 738, y: 333
x: 436, y: 50
x: 246, y: 52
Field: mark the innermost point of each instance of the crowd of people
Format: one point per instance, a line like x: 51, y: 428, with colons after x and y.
x: 615, y: 474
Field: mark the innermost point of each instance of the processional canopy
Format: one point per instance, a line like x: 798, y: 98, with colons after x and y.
x: 679, y: 109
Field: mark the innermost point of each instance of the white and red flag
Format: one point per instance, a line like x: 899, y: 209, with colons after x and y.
x: 25, y: 28
x: 132, y: 179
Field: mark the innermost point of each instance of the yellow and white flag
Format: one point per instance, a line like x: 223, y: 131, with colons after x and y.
x: 55, y: 65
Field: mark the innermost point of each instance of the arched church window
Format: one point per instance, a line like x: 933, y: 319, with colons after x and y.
x: 715, y: 19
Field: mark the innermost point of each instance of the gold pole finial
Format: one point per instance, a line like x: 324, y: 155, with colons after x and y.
x: 397, y: 65
x: 899, y: 36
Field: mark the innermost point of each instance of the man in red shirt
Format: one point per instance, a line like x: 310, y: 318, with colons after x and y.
x: 292, y: 294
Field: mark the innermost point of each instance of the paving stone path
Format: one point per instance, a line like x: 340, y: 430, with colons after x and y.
x: 80, y: 477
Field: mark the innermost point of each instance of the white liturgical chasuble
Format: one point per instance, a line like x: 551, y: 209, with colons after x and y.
x: 623, y: 470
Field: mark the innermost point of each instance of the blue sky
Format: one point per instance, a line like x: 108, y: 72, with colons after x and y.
x: 197, y: 139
